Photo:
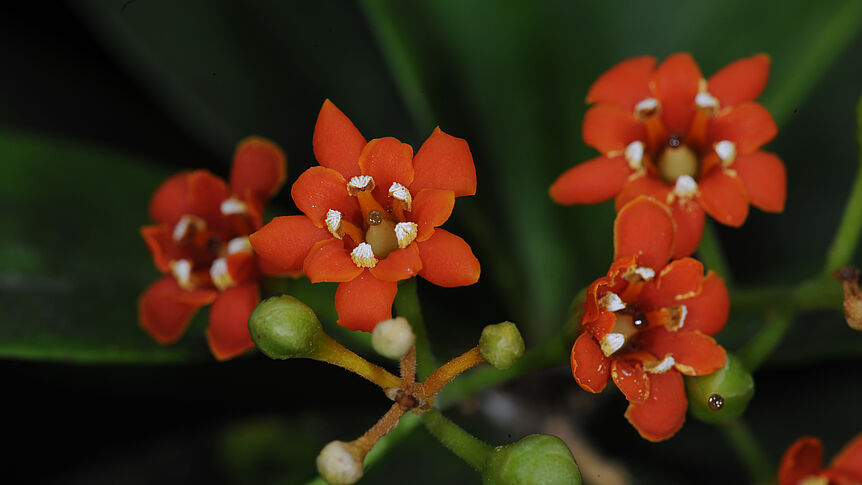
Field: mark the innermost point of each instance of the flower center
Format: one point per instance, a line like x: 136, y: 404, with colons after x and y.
x: 677, y: 159
x: 381, y: 235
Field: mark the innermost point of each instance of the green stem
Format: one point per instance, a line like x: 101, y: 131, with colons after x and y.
x: 764, y: 343
x: 407, y: 305
x: 821, y: 292
x: 847, y: 237
x: 749, y: 451
x: 466, y: 446
x: 711, y: 253
x: 334, y: 353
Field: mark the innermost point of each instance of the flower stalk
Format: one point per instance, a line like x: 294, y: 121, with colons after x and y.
x: 466, y: 446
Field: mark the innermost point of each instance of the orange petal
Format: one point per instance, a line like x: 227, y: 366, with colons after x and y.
x: 803, y: 459
x: 165, y: 309
x: 679, y: 280
x: 740, y: 81
x: 663, y: 413
x: 644, y: 228
x: 708, y: 311
x: 387, y: 160
x: 676, y: 83
x: 610, y: 128
x: 198, y: 193
x: 431, y: 208
x: 695, y: 354
x: 320, y: 189
x: 447, y: 260
x: 398, y: 265
x: 645, y: 185
x: 748, y: 125
x: 329, y: 261
x: 259, y: 166
x: 631, y: 380
x: 625, y: 84
x: 160, y: 241
x: 593, y: 181
x: 849, y: 460
x: 689, y: 218
x: 364, y: 302
x: 242, y: 267
x: 285, y: 241
x: 724, y: 197
x: 590, y: 367
x: 337, y: 143
x: 227, y: 333
x: 444, y: 162
x: 764, y: 178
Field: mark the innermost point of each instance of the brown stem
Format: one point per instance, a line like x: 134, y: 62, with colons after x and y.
x: 386, y: 424
x: 408, y: 370
x: 449, y: 371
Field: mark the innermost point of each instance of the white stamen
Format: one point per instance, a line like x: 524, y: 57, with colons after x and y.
x: 646, y: 107
x: 233, y: 206
x: 360, y: 183
x: 182, y: 271
x: 185, y: 224
x: 645, y: 273
x: 659, y: 367
x: 685, y: 186
x: 220, y: 274
x: 612, y: 342
x: 635, y: 155
x: 683, y: 312
x: 405, y: 232
x: 363, y: 256
x: 726, y: 151
x: 238, y: 245
x: 612, y: 302
x: 400, y: 192
x: 706, y: 100
x: 333, y: 222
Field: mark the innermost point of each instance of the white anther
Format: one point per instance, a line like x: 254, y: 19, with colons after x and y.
x: 363, y: 256
x: 238, y: 245
x: 660, y: 366
x: 400, y: 192
x: 185, y: 225
x: 645, y: 273
x: 726, y: 151
x: 220, y: 275
x: 612, y: 342
x: 635, y: 155
x: 685, y: 186
x: 706, y: 100
x: 683, y: 312
x: 182, y: 271
x: 612, y: 302
x: 405, y: 232
x: 333, y: 222
x: 233, y: 206
x: 646, y: 107
x: 360, y: 183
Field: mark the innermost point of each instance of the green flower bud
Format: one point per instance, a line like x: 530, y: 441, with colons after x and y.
x: 501, y: 345
x: 283, y: 327
x: 340, y: 463
x: 720, y: 397
x: 537, y: 459
x: 393, y: 338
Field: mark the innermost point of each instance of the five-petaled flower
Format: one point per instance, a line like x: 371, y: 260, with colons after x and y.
x: 372, y: 212
x: 649, y: 321
x: 692, y: 143
x: 200, y: 243
x: 802, y: 464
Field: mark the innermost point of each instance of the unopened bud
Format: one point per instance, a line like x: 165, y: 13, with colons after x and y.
x: 340, y: 463
x: 283, y: 327
x: 849, y: 278
x: 720, y: 397
x: 501, y: 345
x: 393, y: 338
x: 537, y: 459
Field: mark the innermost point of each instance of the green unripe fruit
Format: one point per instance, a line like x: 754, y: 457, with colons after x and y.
x: 283, y: 327
x: 501, y: 345
x: 537, y: 459
x: 722, y: 396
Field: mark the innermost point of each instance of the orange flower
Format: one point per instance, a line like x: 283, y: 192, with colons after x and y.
x: 802, y: 464
x: 372, y: 212
x: 200, y: 243
x: 649, y: 321
x: 692, y: 143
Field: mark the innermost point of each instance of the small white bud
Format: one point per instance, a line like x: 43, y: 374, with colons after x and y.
x: 340, y: 463
x: 393, y: 338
